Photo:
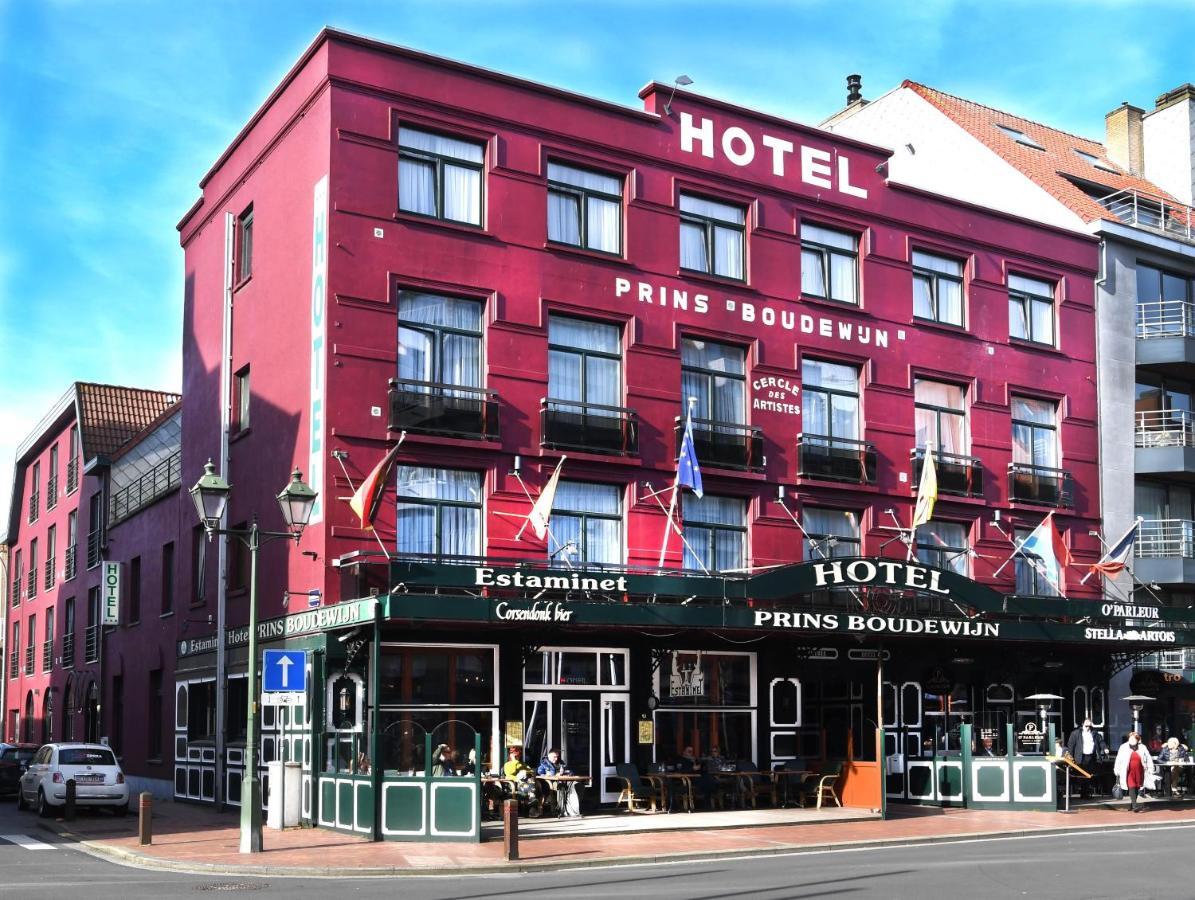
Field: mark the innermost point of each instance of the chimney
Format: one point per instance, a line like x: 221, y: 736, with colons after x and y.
x: 1123, y: 137
x: 1169, y: 143
x: 854, y: 89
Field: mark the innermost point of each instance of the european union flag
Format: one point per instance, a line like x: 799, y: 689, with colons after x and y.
x: 688, y: 470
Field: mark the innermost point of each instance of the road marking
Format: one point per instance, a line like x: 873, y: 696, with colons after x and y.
x: 28, y: 843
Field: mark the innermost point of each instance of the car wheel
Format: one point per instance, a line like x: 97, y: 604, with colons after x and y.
x: 43, y: 808
x: 21, y: 805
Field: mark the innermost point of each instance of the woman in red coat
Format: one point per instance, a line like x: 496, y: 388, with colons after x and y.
x: 1132, y: 763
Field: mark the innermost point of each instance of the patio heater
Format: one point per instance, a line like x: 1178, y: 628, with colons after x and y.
x: 1137, y: 703
x: 1043, y: 709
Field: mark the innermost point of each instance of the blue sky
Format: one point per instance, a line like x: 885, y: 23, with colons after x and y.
x: 110, y: 112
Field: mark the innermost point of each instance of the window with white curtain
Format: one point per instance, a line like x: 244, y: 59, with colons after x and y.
x: 1031, y: 309
x: 943, y: 544
x: 830, y: 400
x: 439, y: 512
x: 715, y: 531
x: 941, y: 416
x: 829, y: 264
x: 584, y: 208
x: 439, y: 176
x: 937, y: 288
x: 1034, y: 432
x: 712, y: 235
x: 584, y: 363
x: 832, y: 532
x: 439, y: 340
x: 716, y: 376
x: 585, y: 528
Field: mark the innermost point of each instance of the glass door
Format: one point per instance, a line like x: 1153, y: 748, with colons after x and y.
x: 576, y: 735
x: 537, y: 727
x: 616, y: 743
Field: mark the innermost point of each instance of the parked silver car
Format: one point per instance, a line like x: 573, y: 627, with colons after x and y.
x: 98, y: 778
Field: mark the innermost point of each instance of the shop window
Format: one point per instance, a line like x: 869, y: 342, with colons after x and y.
x: 712, y: 236
x: 586, y: 525
x: 453, y: 676
x: 401, y: 747
x: 937, y: 288
x: 201, y: 711
x: 439, y: 513
x: 715, y: 530
x: 1030, y: 309
x: 786, y: 702
x: 944, y: 545
x: 180, y: 707
x: 236, y: 710
x: 726, y: 733
x: 829, y: 264
x: 576, y: 668
x: 695, y: 678
x: 440, y: 176
x: 584, y: 208
x: 346, y: 695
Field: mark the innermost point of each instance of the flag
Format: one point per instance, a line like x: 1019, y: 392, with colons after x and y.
x: 688, y: 470
x: 1045, y: 543
x: 1116, y: 559
x: 541, y: 510
x: 927, y: 490
x: 368, y: 496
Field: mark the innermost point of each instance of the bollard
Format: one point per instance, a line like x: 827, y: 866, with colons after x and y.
x: 69, y: 811
x: 510, y: 828
x: 145, y: 811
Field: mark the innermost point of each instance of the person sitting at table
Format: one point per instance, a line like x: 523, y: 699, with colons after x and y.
x: 1172, y: 752
x: 552, y: 764
x: 442, y: 762
x: 716, y: 764
x: 521, y: 774
x: 986, y: 748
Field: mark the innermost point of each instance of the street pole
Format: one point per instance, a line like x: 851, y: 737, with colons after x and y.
x: 250, y: 783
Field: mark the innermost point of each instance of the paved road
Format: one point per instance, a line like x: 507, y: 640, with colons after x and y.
x: 35, y: 865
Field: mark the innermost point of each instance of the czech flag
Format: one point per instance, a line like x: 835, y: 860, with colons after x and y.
x: 1046, y: 544
x: 368, y: 497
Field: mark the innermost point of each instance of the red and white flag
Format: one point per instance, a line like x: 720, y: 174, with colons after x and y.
x: 541, y: 510
x: 368, y: 496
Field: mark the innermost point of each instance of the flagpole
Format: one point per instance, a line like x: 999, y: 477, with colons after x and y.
x: 339, y: 456
x: 676, y: 488
x: 1091, y: 571
x: 815, y: 545
x: 655, y: 495
x: 1017, y: 547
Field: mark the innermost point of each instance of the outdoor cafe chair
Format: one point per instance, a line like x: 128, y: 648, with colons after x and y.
x: 755, y: 783
x: 820, y: 786
x: 634, y: 789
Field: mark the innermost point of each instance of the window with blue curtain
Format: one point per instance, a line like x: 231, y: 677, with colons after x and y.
x: 584, y: 362
x: 439, y: 340
x: 586, y: 525
x: 439, y: 176
x: 712, y: 235
x: 715, y: 531
x: 584, y: 208
x: 439, y: 513
x: 716, y: 375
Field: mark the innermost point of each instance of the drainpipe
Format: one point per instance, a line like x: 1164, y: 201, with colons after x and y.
x: 222, y: 546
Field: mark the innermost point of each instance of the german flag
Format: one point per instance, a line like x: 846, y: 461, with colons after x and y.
x: 368, y: 497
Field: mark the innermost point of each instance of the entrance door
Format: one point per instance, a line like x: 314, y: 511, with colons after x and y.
x: 616, y: 743
x: 591, y: 746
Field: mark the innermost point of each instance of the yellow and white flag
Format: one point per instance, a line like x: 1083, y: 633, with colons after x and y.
x: 927, y: 491
x: 541, y: 511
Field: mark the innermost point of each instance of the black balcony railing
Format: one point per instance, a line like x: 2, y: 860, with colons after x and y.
x: 47, y: 655
x: 93, y: 549
x: 69, y: 570
x: 68, y: 650
x: 29, y: 659
x: 31, y: 583
x: 17, y: 584
x: 33, y: 506
x: 425, y: 407
x: 93, y: 644
x: 14, y: 663
x: 157, y: 482
x: 50, y: 574
x: 72, y: 474
x: 1039, y: 484
x: 52, y: 492
x: 958, y: 475
x: 571, y: 425
x: 836, y: 459
x: 725, y: 444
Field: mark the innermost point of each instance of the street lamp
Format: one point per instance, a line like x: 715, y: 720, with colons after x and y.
x: 296, y: 500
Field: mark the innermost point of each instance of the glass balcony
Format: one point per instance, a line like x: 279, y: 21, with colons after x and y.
x: 1039, y: 484
x: 836, y: 459
x: 592, y: 427
x: 424, y: 407
x: 724, y: 444
x: 961, y: 476
x: 1152, y: 212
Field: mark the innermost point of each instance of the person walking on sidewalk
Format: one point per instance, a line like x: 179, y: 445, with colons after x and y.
x: 1086, y: 747
x: 1133, y: 763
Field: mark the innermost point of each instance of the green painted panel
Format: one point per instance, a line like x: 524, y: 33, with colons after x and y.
x: 344, y: 804
x: 327, y: 800
x: 950, y: 780
x: 454, y: 809
x: 363, y: 820
x: 991, y: 781
x: 895, y: 783
x: 921, y: 781
x: 1031, y: 781
x: 404, y: 808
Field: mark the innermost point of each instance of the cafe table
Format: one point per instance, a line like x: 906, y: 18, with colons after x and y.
x: 783, y: 780
x: 1176, y: 768
x: 565, y: 787
x: 675, y: 783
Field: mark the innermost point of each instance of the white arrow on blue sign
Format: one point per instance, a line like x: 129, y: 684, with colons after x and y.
x: 284, y: 670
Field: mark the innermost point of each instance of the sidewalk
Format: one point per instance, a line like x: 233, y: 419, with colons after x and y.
x: 197, y: 839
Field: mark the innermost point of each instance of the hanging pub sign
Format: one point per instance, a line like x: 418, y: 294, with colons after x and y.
x: 110, y: 586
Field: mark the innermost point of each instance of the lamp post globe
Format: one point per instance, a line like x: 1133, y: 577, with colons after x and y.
x: 297, y: 500
x: 210, y: 496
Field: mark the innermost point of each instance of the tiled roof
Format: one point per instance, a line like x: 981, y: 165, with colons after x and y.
x: 111, y: 416
x: 1047, y: 167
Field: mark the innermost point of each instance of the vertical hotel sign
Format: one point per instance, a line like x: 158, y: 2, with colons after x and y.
x: 110, y: 586
x: 319, y: 331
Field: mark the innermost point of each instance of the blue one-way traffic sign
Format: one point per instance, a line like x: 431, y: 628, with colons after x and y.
x: 284, y: 670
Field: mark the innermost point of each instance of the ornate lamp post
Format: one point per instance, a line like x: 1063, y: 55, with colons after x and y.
x: 296, y: 500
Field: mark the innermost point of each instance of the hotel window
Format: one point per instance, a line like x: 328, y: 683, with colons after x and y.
x: 1034, y: 433
x: 584, y: 208
x: 716, y: 375
x: 715, y: 533
x: 439, y: 340
x: 943, y: 544
x: 937, y: 288
x: 830, y: 400
x: 439, y: 513
x: 240, y: 400
x: 941, y: 416
x: 832, y: 533
x: 829, y: 264
x: 1031, y: 309
x: 586, y: 525
x: 711, y: 236
x: 584, y: 362
x: 439, y: 176
x: 1031, y: 572
x: 244, y: 248
x: 239, y: 562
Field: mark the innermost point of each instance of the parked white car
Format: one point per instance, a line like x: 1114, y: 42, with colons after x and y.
x: 98, y: 778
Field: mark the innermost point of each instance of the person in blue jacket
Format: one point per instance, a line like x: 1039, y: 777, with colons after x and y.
x: 552, y: 764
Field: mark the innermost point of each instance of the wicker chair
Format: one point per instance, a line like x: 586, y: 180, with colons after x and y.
x: 636, y: 790
x: 819, y: 787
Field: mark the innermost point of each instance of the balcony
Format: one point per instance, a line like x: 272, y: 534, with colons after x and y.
x: 52, y: 492
x: 1039, y: 484
x: 1165, y: 440
x: 591, y: 427
x: 29, y: 659
x: 17, y: 583
x: 157, y: 482
x: 68, y: 650
x: 725, y: 444
x: 31, y: 583
x: 92, y: 648
x: 1165, y: 552
x: 69, y: 570
x: 34, y: 499
x: 14, y: 663
x: 836, y: 459
x: 93, y: 549
x: 50, y: 574
x: 1166, y: 336
x: 72, y: 474
x: 47, y: 655
x: 1151, y: 212
x: 961, y: 476
x: 425, y: 407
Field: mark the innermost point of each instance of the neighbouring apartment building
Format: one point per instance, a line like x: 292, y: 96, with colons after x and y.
x: 1133, y: 192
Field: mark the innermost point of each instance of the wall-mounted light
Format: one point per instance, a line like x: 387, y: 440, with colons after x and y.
x: 681, y: 81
